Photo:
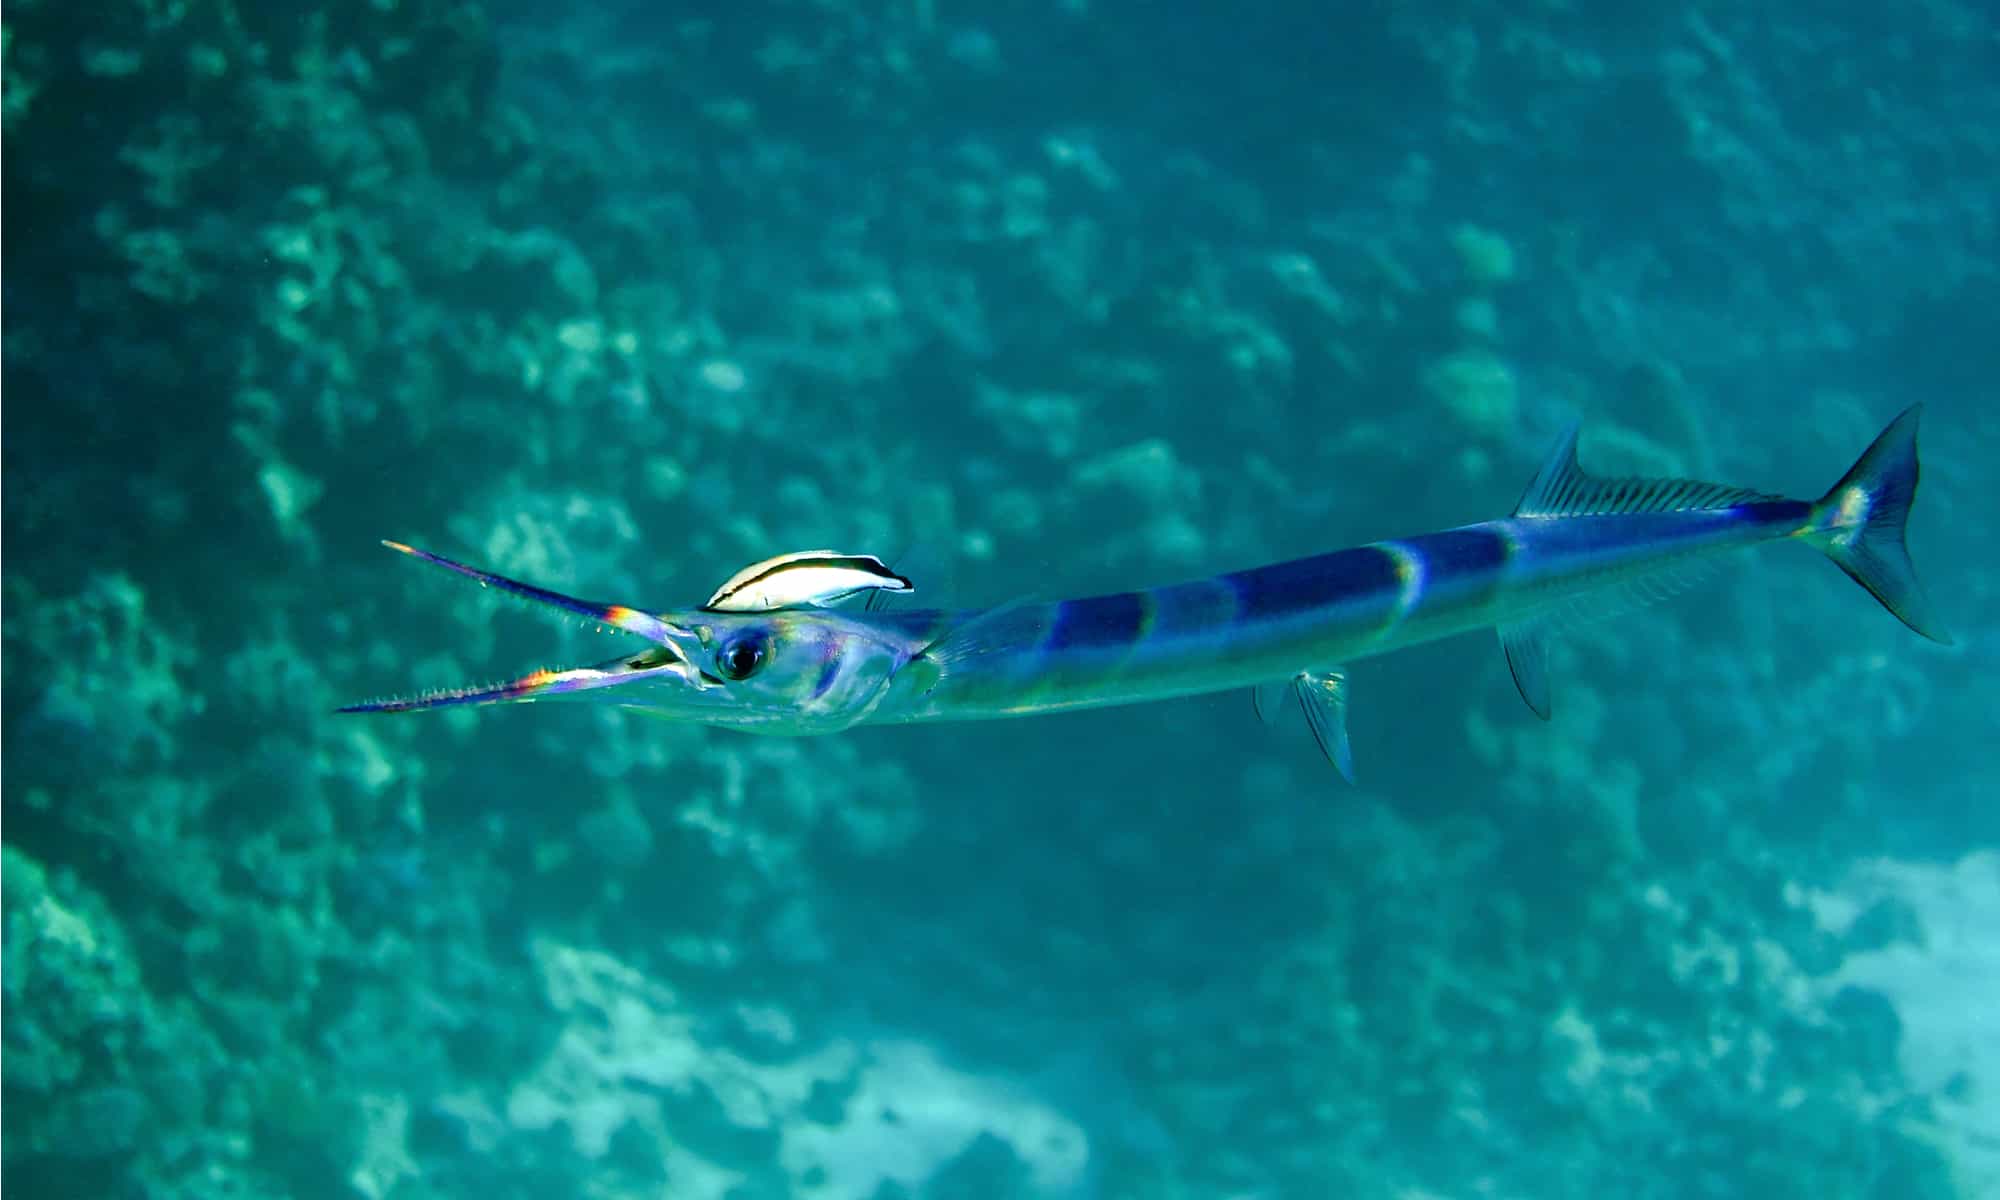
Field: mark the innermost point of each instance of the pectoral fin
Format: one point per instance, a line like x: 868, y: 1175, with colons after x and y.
x: 1269, y: 699
x: 1323, y: 695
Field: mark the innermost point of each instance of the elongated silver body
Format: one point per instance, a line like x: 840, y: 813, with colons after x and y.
x: 1241, y: 629
x: 806, y: 669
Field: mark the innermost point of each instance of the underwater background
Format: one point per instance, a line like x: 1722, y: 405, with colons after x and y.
x: 618, y: 297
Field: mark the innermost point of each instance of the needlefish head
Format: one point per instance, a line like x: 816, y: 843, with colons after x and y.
x: 788, y: 671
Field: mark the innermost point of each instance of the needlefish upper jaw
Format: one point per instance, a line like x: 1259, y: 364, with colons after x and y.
x: 668, y: 664
x: 788, y: 671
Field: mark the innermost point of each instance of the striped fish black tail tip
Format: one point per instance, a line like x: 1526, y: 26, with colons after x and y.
x: 1859, y: 524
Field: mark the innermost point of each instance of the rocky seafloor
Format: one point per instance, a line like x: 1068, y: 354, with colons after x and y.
x: 619, y: 298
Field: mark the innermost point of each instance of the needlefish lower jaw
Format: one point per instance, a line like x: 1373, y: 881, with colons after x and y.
x: 666, y: 662
x: 787, y: 672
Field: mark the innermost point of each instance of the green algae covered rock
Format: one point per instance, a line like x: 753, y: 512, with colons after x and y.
x: 1486, y: 257
x: 75, y: 1002
x: 1477, y: 389
x: 71, y: 981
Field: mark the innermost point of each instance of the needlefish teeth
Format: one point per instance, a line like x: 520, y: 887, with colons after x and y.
x: 805, y: 578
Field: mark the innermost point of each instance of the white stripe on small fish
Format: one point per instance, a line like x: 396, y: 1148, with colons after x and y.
x: 806, y: 577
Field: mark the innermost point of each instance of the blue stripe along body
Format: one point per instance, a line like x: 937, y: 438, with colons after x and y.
x: 1269, y: 622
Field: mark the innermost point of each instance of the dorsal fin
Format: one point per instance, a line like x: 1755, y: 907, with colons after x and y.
x: 1564, y: 489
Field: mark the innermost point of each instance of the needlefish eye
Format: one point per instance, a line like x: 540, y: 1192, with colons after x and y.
x: 740, y: 656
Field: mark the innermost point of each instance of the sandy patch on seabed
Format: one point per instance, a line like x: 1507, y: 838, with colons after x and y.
x: 1946, y: 989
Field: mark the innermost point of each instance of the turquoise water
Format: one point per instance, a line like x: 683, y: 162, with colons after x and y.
x: 1053, y: 298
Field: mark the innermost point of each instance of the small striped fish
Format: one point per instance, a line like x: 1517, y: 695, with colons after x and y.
x: 814, y: 578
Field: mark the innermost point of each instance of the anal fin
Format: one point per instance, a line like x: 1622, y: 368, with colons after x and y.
x: 1527, y: 648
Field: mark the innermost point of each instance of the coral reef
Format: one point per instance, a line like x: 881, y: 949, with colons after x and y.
x: 618, y: 299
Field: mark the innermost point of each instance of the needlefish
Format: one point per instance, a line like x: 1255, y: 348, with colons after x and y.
x: 772, y: 653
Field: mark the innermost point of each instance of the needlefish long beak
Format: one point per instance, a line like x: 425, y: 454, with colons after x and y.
x: 668, y: 659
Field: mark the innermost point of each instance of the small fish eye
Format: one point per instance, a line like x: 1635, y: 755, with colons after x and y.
x: 740, y: 657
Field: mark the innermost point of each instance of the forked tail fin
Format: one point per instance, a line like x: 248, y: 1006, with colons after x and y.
x: 1859, y: 525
